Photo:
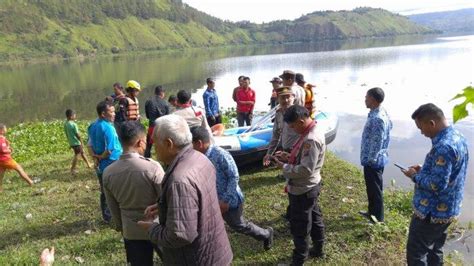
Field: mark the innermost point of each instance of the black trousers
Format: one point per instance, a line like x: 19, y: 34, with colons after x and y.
x: 305, y: 220
x: 244, y: 117
x: 140, y: 252
x: 374, y: 184
x: 106, y: 216
x: 425, y: 242
x: 235, y: 219
x: 215, y: 121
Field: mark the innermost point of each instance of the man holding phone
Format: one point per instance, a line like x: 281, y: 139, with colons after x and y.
x: 373, y: 152
x: 439, y: 186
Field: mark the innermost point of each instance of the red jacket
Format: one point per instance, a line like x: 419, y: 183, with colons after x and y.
x: 245, y: 95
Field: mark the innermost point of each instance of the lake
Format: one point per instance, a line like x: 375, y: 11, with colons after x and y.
x: 411, y: 70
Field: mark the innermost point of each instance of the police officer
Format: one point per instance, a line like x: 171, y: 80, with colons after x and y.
x: 283, y: 137
x: 302, y: 169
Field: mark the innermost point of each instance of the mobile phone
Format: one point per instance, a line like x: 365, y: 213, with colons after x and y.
x: 400, y: 166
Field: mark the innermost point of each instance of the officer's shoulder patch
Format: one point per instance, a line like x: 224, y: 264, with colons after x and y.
x: 440, y: 161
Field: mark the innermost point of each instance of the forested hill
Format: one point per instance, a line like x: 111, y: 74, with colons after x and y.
x: 42, y: 28
x: 449, y: 21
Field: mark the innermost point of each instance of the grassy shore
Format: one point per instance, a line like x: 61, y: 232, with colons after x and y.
x: 65, y: 211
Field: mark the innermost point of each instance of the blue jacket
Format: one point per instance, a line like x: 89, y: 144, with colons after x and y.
x: 227, y: 176
x: 439, y: 186
x: 211, y: 102
x: 375, y: 139
x: 102, y: 137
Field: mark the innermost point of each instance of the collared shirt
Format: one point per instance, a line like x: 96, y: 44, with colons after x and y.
x: 102, y: 137
x: 130, y: 185
x: 299, y: 94
x: 375, y: 139
x: 245, y: 95
x: 227, y: 176
x: 282, y: 136
x: 155, y: 107
x: 211, y: 102
x: 439, y: 186
x: 194, y: 117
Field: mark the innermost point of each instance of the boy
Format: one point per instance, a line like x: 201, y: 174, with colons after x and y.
x: 6, y: 161
x: 74, y: 139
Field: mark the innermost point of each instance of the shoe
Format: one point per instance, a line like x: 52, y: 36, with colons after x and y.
x: 317, y: 252
x: 369, y: 217
x: 268, y: 243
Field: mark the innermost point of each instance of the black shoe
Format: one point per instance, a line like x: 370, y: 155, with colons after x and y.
x: 369, y: 217
x: 317, y: 252
x: 268, y: 243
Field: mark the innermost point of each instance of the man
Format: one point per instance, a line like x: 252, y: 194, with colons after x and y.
x: 283, y: 137
x: 309, y: 99
x: 104, y: 147
x: 288, y: 78
x: 193, y: 115
x: 276, y: 83
x: 373, y: 153
x: 439, y: 186
x: 211, y: 103
x: 131, y: 184
x: 173, y: 102
x: 245, y: 103
x: 129, y: 108
x: 229, y: 193
x: 118, y: 94
x: 155, y: 107
x: 302, y: 169
x: 191, y: 230
x: 234, y: 92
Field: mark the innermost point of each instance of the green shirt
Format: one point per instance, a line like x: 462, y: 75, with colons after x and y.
x: 71, y: 130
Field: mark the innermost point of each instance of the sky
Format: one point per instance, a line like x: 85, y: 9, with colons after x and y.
x: 259, y: 11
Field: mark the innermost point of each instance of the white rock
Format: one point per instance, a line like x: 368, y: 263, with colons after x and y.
x: 29, y: 216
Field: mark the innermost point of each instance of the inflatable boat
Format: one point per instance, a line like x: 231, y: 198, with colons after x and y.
x: 249, y: 144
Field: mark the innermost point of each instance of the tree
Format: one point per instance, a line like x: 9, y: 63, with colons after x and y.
x: 460, y: 111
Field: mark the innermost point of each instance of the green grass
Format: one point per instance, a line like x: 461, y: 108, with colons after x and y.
x: 63, y: 208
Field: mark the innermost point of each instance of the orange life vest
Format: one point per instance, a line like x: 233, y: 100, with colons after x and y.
x: 309, y: 97
x: 133, y: 111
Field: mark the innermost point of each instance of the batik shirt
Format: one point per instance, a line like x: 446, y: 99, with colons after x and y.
x: 227, y: 176
x: 439, y: 186
x: 375, y: 139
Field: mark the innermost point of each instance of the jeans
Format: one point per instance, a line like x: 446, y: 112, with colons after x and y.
x: 244, y: 117
x: 374, y: 184
x: 235, y: 219
x: 106, y: 216
x: 425, y: 242
x: 305, y: 220
x: 140, y: 252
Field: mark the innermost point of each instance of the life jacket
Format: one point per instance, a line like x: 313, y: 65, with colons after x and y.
x: 133, y: 111
x: 309, y: 96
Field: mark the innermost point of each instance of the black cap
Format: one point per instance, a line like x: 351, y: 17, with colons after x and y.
x: 299, y: 78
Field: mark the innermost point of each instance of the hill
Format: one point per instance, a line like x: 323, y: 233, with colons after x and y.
x: 32, y: 28
x: 449, y: 21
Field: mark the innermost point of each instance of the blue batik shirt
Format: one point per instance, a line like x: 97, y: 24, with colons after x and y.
x: 102, y: 137
x: 227, y: 176
x: 439, y: 186
x: 211, y: 102
x: 375, y: 139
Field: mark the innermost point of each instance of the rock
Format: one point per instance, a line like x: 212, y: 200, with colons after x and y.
x: 29, y: 216
x: 79, y: 259
x: 88, y: 232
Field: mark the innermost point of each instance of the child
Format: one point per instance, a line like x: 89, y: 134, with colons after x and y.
x: 74, y: 139
x: 6, y: 160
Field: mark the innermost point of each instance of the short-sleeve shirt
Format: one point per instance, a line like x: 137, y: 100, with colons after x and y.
x: 245, y: 95
x: 5, y: 151
x: 71, y: 130
x: 102, y: 136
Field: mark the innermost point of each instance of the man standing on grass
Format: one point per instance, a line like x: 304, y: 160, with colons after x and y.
x: 439, y: 186
x: 190, y: 229
x: 155, y: 107
x: 245, y: 103
x: 131, y: 184
x: 211, y: 103
x: 104, y: 147
x: 373, y: 152
x: 302, y: 169
x: 229, y: 194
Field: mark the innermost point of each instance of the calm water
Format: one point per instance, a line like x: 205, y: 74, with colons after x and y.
x: 411, y: 70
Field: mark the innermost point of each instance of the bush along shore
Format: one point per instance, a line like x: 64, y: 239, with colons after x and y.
x: 63, y: 211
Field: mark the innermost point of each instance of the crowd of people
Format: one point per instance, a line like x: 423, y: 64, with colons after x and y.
x: 176, y: 206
